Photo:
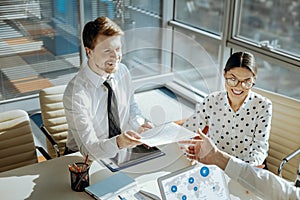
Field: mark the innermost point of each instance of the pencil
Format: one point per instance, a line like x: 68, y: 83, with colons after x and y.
x: 77, y: 168
x: 85, y: 162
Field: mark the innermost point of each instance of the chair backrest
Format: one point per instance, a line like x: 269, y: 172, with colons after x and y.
x: 285, y: 133
x: 17, y: 146
x: 53, y: 115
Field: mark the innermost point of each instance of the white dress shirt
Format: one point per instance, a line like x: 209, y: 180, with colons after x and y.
x: 85, y: 102
x: 260, y: 181
x: 243, y: 134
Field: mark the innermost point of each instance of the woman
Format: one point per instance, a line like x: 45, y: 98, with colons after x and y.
x: 238, y: 119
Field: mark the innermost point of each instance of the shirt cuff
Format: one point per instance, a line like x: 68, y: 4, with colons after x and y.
x: 234, y: 168
x: 114, y: 144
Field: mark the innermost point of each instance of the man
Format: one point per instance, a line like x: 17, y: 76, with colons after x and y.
x: 86, y: 96
x: 262, y: 182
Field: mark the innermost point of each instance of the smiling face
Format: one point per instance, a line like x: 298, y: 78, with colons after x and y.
x: 237, y: 94
x: 106, y: 55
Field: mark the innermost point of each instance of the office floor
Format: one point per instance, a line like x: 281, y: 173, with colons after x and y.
x: 158, y: 105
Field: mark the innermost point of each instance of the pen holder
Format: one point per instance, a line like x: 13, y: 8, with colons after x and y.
x: 79, y: 173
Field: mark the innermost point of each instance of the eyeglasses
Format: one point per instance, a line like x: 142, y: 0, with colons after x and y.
x: 246, y: 84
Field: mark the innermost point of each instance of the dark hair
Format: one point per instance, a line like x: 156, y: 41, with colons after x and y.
x: 100, y: 26
x: 241, y: 59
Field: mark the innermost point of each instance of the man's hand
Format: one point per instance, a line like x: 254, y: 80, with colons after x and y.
x: 128, y: 139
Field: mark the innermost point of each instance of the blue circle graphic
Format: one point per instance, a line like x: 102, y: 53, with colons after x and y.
x: 195, y: 188
x: 204, y: 171
x: 183, y: 197
x: 174, y: 188
x: 191, y: 180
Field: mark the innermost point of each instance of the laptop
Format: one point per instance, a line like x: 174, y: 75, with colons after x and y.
x: 194, y: 182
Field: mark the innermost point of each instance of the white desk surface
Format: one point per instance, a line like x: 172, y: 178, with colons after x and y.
x: 51, y: 179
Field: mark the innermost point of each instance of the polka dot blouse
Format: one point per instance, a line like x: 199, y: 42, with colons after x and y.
x: 244, y: 133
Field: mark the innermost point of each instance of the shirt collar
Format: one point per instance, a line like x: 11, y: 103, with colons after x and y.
x: 248, y: 99
x: 96, y: 79
x: 246, y: 102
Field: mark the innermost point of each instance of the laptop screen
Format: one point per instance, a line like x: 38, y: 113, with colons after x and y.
x: 194, y: 182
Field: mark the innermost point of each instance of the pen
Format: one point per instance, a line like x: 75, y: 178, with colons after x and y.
x: 86, y: 158
x: 81, y: 179
x: 122, y: 198
x: 149, y: 195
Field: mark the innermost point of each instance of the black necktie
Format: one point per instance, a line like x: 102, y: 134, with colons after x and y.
x: 112, y: 112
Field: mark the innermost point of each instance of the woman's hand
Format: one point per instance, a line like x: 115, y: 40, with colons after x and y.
x: 145, y: 127
x: 200, y: 148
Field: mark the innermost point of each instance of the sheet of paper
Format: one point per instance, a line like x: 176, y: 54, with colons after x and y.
x: 165, y: 134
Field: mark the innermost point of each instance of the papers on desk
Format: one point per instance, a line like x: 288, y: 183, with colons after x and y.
x: 166, y: 133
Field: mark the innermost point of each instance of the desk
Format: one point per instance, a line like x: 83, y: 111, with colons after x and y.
x: 51, y: 179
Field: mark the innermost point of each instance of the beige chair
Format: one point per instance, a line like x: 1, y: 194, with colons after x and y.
x: 54, y: 120
x: 17, y: 146
x: 285, y: 134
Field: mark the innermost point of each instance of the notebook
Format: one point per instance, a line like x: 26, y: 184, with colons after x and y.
x: 194, y: 182
x: 129, y: 157
x: 111, y: 186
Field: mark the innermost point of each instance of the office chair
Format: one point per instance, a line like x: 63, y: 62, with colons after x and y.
x: 17, y: 146
x: 54, y: 124
x: 287, y: 159
x: 284, y: 135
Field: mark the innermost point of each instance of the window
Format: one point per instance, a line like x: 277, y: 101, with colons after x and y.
x: 268, y: 29
x: 40, y: 41
x: 189, y: 40
x: 271, y: 24
x: 201, y: 23
x: 38, y: 46
x: 278, y: 78
x: 204, y: 14
x: 195, y: 60
x: 142, y: 45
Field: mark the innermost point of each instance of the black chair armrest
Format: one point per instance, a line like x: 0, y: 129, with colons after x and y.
x: 51, y: 139
x: 43, y: 152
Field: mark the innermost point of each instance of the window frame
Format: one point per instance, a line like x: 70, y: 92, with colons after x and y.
x: 229, y: 40
x: 266, y: 52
